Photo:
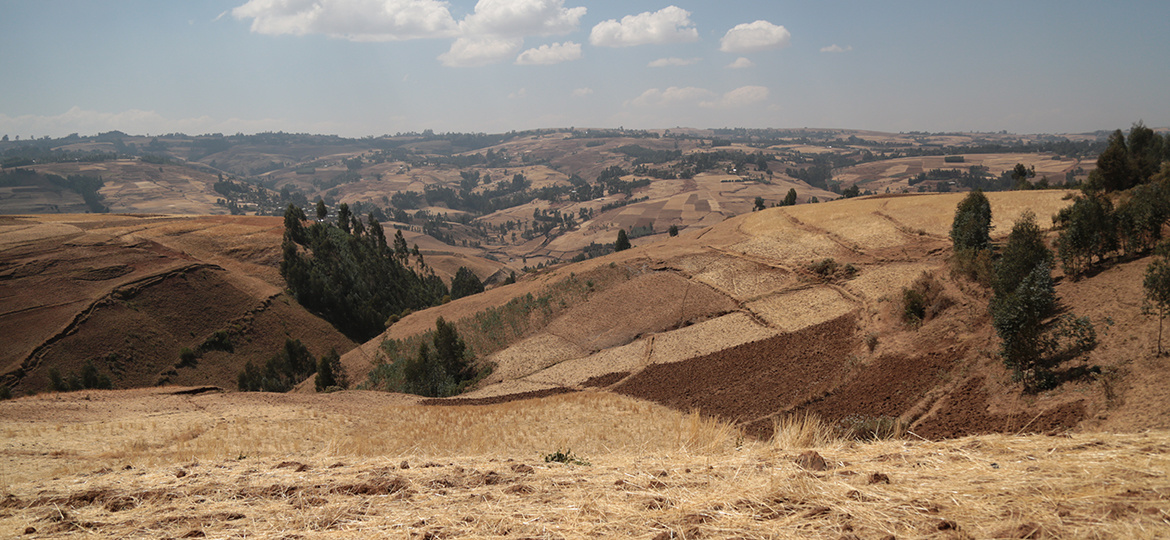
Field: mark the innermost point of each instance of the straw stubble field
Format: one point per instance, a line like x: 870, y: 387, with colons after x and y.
x: 155, y: 465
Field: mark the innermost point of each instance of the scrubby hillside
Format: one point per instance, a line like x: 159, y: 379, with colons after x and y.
x: 800, y: 309
x: 127, y: 294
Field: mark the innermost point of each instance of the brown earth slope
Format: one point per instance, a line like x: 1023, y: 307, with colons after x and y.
x: 129, y: 292
x: 792, y: 340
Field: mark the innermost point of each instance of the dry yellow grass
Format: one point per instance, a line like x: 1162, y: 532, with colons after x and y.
x: 282, y: 468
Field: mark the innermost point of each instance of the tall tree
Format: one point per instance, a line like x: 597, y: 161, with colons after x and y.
x: 1114, y: 168
x: 623, y: 241
x: 322, y: 211
x: 971, y: 228
x: 1156, y: 284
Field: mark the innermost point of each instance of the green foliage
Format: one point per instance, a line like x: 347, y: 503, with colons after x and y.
x: 1018, y: 319
x: 1089, y: 228
x: 672, y: 231
x: 219, y: 341
x: 465, y: 283
x: 923, y: 300
x: 759, y: 204
x: 1140, y: 216
x: 1156, y: 284
x: 495, y: 328
x: 565, y: 457
x: 331, y: 375
x: 623, y: 242
x: 1069, y: 336
x: 187, y: 357
x: 354, y: 281
x: 828, y: 269
x: 284, y: 370
x: 1025, y: 250
x: 443, y: 371
x: 971, y: 228
x: 89, y: 379
x: 790, y: 198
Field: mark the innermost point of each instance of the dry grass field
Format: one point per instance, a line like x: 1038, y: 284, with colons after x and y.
x: 158, y: 463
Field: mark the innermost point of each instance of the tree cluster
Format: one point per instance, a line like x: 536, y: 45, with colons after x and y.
x: 350, y: 276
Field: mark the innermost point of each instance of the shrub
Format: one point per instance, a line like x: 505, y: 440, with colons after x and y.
x: 871, y: 428
x: 293, y: 364
x: 187, y: 357
x: 445, y: 371
x: 5, y: 393
x: 219, y: 341
x: 923, y: 300
x: 89, y: 379
x: 331, y: 375
x: 565, y: 457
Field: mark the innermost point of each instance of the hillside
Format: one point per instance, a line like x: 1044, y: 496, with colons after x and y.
x: 127, y: 293
x: 700, y: 321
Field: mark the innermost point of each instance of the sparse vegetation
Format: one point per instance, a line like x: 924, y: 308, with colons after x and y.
x: 923, y: 300
x: 828, y: 269
x: 565, y: 457
x: 284, y: 370
x: 331, y: 375
x: 89, y: 379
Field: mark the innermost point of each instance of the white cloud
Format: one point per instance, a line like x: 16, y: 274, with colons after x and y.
x: 354, y: 20
x: 754, y: 37
x: 670, y: 24
x: 741, y: 63
x: 518, y: 18
x: 519, y: 94
x: 479, y: 51
x: 742, y: 96
x: 674, y: 62
x: 550, y: 54
x: 671, y: 96
x: 582, y: 92
x: 834, y: 48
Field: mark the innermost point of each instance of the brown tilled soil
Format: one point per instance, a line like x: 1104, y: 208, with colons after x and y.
x: 753, y: 380
x: 964, y: 412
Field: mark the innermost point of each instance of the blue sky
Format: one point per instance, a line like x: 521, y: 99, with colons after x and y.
x: 373, y: 67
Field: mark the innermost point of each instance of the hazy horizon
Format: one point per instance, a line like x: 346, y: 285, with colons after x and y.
x: 373, y: 67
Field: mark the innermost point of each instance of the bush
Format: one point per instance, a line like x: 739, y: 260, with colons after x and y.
x: 331, y: 375
x: 445, y: 371
x: 828, y: 269
x: 219, y: 341
x: 5, y: 393
x: 187, y: 357
x: 565, y: 457
x: 923, y: 300
x: 89, y: 379
x: 284, y: 370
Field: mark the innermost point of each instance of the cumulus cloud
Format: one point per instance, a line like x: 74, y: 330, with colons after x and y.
x: 742, y: 96
x: 834, y: 48
x: 582, y: 92
x: 670, y: 24
x: 673, y: 62
x: 671, y: 96
x: 479, y: 51
x: 741, y: 63
x: 550, y: 54
x: 354, y: 20
x: 754, y: 37
x: 522, y: 18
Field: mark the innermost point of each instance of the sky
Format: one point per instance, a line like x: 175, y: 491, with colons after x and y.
x: 374, y: 67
